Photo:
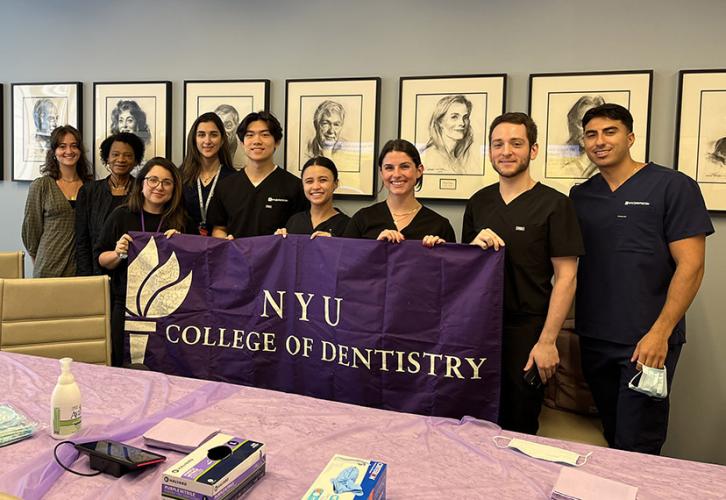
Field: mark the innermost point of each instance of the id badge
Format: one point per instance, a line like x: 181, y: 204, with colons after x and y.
x: 203, y: 231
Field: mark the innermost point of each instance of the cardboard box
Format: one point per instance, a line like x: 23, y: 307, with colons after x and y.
x: 345, y: 478
x: 222, y: 468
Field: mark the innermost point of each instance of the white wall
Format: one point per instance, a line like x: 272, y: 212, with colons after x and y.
x: 87, y: 40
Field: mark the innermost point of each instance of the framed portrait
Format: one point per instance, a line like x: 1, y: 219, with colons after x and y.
x: 337, y: 119
x: 232, y: 100
x: 557, y: 103
x: 446, y: 118
x: 37, y: 109
x: 701, y: 133
x: 142, y: 108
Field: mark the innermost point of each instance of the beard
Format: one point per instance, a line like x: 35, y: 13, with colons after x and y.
x: 522, y: 167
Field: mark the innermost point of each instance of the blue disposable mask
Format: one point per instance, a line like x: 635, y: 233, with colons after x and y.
x: 653, y: 382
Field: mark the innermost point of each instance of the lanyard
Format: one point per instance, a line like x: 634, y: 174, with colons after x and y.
x: 143, y: 226
x: 203, y: 207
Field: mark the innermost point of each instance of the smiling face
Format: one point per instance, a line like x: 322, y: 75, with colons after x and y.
x: 126, y: 122
x: 607, y: 142
x: 455, y: 121
x: 259, y: 142
x: 208, y: 139
x: 400, y: 173
x: 510, y: 151
x: 329, y: 128
x: 68, y: 151
x: 158, y: 187
x: 318, y: 185
x: 121, y: 159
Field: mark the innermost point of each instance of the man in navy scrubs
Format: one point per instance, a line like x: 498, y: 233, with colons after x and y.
x: 543, y: 240
x: 645, y: 229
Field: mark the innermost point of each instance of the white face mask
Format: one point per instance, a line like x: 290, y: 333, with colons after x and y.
x: 653, y: 382
x: 543, y: 451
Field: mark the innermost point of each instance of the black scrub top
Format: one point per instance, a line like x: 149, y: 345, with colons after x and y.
x: 370, y: 221
x: 249, y: 210
x: 300, y: 223
x: 623, y: 280
x: 191, y: 197
x: 537, y: 225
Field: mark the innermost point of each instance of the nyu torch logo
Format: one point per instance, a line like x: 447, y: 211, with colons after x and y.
x: 153, y: 291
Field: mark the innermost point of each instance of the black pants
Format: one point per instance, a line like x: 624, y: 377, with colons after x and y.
x: 631, y: 420
x: 520, y: 403
x: 117, y: 330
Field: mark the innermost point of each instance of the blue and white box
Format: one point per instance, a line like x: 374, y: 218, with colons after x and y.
x: 346, y: 478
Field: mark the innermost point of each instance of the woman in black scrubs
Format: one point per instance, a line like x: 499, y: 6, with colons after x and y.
x: 320, y: 179
x: 154, y: 205
x: 206, y: 163
x: 120, y: 153
x: 400, y: 216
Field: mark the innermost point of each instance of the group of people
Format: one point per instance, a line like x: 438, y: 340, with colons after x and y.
x: 638, y: 231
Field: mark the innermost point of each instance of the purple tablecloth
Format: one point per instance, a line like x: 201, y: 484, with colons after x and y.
x: 429, y: 457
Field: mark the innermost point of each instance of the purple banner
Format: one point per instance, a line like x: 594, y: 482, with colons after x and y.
x: 399, y: 327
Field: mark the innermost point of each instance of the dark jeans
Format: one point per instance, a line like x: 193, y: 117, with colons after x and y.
x: 631, y: 420
x: 520, y: 403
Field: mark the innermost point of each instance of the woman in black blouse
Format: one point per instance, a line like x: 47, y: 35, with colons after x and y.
x: 120, y: 153
x: 400, y: 216
x: 207, y: 162
x: 320, y: 179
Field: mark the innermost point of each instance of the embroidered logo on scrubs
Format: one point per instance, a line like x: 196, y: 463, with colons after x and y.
x: 153, y: 291
x: 519, y: 228
x: 644, y: 203
x: 271, y: 199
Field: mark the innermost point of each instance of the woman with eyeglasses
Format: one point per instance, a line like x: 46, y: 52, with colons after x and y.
x: 154, y: 205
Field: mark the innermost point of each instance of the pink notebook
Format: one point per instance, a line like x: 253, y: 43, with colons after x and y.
x: 574, y: 484
x: 179, y: 435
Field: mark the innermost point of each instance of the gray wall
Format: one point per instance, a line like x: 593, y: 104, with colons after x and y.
x: 88, y: 41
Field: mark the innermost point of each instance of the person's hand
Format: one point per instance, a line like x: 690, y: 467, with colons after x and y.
x: 122, y: 246
x: 391, y: 235
x: 651, y: 350
x: 320, y: 233
x: 547, y: 358
x: 430, y: 240
x: 229, y: 237
x: 488, y: 239
x: 281, y: 232
x: 170, y: 232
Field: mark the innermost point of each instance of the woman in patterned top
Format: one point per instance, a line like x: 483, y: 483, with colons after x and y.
x: 48, y: 226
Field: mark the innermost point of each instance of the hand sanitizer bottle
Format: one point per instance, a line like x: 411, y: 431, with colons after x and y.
x: 65, y: 403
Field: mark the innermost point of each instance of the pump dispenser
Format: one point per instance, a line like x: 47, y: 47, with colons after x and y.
x: 65, y: 403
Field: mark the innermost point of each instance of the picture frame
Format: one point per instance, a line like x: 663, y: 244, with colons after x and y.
x: 447, y: 119
x: 700, y: 145
x: 37, y: 109
x: 337, y: 118
x: 232, y: 100
x: 2, y: 134
x: 143, y: 108
x: 557, y: 102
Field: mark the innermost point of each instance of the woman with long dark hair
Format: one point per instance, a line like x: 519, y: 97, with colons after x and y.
x: 207, y: 162
x: 154, y: 205
x: 49, y: 223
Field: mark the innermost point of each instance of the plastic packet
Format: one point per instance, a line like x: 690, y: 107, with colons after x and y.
x: 14, y: 425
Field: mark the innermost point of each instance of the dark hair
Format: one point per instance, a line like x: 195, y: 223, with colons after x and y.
x: 321, y: 161
x: 272, y: 124
x: 51, y: 167
x: 574, y: 126
x: 174, y: 209
x: 142, y: 129
x: 611, y: 111
x: 192, y: 163
x: 127, y: 138
x: 401, y: 146
x: 516, y: 118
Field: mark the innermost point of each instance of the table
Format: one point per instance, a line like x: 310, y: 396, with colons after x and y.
x: 428, y: 457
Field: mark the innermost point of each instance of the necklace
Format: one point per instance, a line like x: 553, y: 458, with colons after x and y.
x: 206, y: 178
x: 118, y: 187
x: 405, y: 213
x: 69, y: 181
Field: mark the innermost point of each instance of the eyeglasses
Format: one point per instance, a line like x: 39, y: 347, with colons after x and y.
x: 155, y: 181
